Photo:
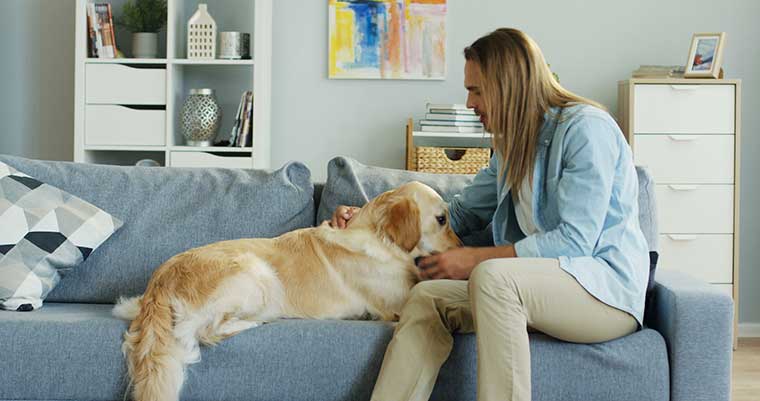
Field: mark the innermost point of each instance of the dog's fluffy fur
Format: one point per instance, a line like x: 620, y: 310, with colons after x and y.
x: 212, y: 292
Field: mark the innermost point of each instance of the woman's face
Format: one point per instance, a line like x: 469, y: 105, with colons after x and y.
x: 474, y: 90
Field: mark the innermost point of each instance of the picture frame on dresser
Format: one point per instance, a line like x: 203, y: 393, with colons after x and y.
x: 705, y: 55
x: 687, y: 132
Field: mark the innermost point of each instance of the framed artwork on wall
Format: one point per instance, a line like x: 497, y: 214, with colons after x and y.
x: 387, y: 39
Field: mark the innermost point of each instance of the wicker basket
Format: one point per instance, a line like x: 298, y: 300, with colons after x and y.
x: 451, y: 160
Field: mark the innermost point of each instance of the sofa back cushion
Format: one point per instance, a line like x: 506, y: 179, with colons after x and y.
x: 169, y: 210
x: 354, y: 184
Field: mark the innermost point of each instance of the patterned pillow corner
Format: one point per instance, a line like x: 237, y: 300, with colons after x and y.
x: 43, y: 229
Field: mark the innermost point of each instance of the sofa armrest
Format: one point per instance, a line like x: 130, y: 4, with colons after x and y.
x: 697, y: 324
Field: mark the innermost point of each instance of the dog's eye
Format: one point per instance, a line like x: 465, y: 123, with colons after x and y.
x: 441, y: 220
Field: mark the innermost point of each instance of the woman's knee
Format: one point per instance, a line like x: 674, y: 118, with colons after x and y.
x: 493, y: 276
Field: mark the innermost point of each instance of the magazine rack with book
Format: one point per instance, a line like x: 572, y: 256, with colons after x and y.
x: 127, y: 109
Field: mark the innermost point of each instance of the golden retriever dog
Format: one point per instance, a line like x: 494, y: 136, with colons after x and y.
x: 207, y: 294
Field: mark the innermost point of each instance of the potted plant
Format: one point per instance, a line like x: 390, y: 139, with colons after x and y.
x: 144, y: 18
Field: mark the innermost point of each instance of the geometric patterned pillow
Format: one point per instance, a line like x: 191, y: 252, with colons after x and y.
x: 42, y: 230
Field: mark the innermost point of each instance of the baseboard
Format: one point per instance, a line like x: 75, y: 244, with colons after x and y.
x: 749, y: 330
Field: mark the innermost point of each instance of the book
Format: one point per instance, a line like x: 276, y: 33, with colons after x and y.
x: 244, y: 138
x: 453, y: 106
x: 452, y: 117
x: 658, y: 71
x: 461, y: 130
x: 452, y: 123
x: 92, y: 31
x: 102, y: 23
x: 468, y: 112
x: 238, y: 120
x: 92, y: 46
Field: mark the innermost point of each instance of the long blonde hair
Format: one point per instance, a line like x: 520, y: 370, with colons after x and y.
x: 518, y: 89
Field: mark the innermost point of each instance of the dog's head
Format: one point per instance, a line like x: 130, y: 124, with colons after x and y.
x: 414, y: 218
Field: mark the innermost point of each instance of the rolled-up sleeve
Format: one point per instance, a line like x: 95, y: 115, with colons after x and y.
x: 590, y: 154
x: 473, y: 209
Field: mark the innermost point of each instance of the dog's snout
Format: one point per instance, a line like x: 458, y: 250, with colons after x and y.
x: 417, y: 260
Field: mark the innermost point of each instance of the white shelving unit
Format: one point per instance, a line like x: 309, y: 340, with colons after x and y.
x: 128, y: 109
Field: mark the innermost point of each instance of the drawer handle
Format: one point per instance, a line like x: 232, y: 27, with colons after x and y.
x: 143, y: 106
x: 683, y: 138
x: 682, y: 187
x: 685, y: 87
x: 676, y: 237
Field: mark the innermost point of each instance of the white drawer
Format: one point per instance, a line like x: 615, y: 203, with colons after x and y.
x: 698, y: 209
x: 205, y: 159
x: 121, y: 84
x: 698, y: 159
x: 706, y: 257
x: 119, y: 125
x: 692, y: 109
x: 727, y: 289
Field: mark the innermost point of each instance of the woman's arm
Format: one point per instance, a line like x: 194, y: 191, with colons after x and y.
x: 473, y: 209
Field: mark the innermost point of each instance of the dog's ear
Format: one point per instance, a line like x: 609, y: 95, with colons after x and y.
x: 401, y: 223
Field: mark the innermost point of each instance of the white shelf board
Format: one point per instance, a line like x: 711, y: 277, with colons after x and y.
x: 222, y: 149
x: 126, y: 61
x: 184, y: 61
x: 125, y: 148
x: 468, y: 135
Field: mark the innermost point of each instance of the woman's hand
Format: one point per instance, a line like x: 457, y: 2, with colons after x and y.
x: 455, y: 264
x: 458, y: 264
x: 342, y: 215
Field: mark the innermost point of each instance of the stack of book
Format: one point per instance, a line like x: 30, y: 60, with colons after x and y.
x: 242, y: 131
x: 451, y: 118
x: 658, y: 71
x: 101, y: 40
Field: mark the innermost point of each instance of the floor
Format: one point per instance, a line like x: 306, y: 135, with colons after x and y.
x: 746, y: 384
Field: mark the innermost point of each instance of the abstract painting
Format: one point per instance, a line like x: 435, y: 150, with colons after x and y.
x: 387, y: 39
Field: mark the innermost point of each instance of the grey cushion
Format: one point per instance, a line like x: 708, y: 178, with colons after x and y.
x: 44, y: 230
x: 167, y: 211
x: 72, y: 351
x: 353, y: 184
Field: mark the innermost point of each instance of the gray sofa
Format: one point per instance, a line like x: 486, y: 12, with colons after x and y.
x: 70, y: 349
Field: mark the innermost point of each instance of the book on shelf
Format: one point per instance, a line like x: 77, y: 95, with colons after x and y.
x: 245, y: 133
x: 461, y: 130
x: 448, y: 106
x: 467, y: 112
x: 452, y: 117
x: 452, y: 123
x: 100, y: 32
x: 658, y: 71
x: 238, y: 120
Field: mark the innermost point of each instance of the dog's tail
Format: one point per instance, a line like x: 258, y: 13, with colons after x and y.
x: 154, y: 356
x: 127, y: 308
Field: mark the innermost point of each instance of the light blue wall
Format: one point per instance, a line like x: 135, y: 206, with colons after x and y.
x: 591, y: 44
x: 37, y: 78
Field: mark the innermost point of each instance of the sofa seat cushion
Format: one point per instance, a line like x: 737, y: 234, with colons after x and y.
x: 167, y: 211
x: 73, y: 351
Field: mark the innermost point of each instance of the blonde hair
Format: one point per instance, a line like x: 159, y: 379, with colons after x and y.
x: 518, y: 89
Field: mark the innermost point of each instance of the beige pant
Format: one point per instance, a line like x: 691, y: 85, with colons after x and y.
x: 501, y: 300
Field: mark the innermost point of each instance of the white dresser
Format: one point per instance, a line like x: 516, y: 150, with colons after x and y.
x: 686, y: 132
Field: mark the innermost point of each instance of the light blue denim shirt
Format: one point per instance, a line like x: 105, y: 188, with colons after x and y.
x: 585, y: 206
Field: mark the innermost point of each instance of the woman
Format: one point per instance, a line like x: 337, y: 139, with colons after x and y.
x: 569, y: 258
